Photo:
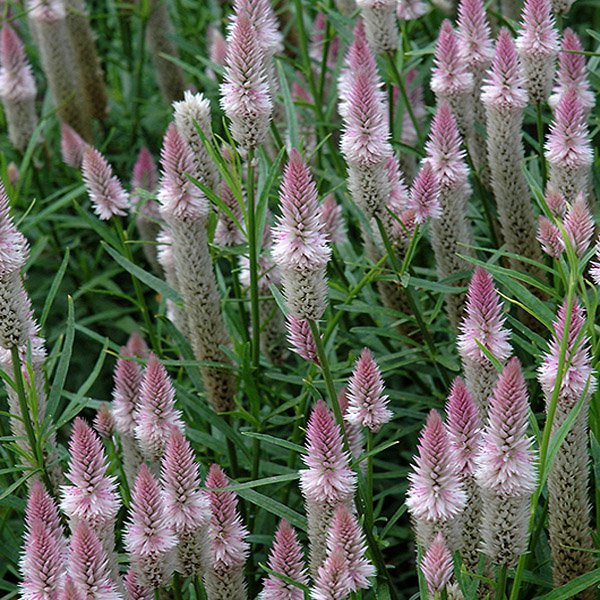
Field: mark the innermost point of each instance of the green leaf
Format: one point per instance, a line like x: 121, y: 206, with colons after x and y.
x: 569, y: 590
x: 280, y: 510
x: 54, y: 288
x: 269, y: 439
x: 250, y: 485
x: 290, y: 112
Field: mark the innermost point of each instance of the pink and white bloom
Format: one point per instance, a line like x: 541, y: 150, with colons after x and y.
x: 333, y: 220
x: 579, y: 225
x: 333, y: 581
x: 381, y: 28
x: 301, y: 338
x: 550, y: 237
x: 72, y: 146
x: 595, y: 266
x: 437, y: 565
x: 135, y: 590
x: 104, y: 422
x: 424, y: 195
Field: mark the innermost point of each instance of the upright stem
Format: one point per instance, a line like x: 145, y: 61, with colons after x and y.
x: 501, y: 583
x: 404, y: 94
x: 540, y: 134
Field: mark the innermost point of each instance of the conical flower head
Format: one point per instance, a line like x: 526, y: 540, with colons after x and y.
x: 245, y: 96
x: 300, y: 240
x: 14, y: 249
x: 92, y: 497
x: 42, y: 508
x: 450, y: 76
x: 285, y: 558
x: 69, y: 591
x: 227, y: 534
x: 437, y: 565
x: 217, y: 50
x: 135, y: 590
x: 301, y: 338
x: 367, y: 403
x: 474, y: 34
x: 108, y: 197
x: 483, y: 324
x: 88, y: 566
x: 424, y: 195
x: 264, y: 20
x: 72, y: 146
x: 435, y: 492
x: 186, y: 506
x: 380, y: 24
x: 333, y: 581
x: 104, y: 422
x: 180, y: 199
x: 145, y: 176
x: 550, y: 237
x: 16, y: 78
x: 538, y: 36
x: 505, y: 464
x: 579, y: 225
x: 578, y: 375
x: 333, y: 221
x: 556, y: 203
x: 345, y: 533
x: 504, y: 88
x: 464, y: 426
x: 157, y: 415
x: 328, y: 477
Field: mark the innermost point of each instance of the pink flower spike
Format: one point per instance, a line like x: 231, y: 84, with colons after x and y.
x: 69, y: 591
x: 92, y: 496
x: 595, y: 266
x: 157, y: 415
x: 345, y: 533
x: 301, y: 339
x: 410, y: 10
x: 14, y: 249
x: 579, y: 374
x: 333, y: 581
x: 333, y: 221
x: 464, y: 426
x: 505, y: 464
x: 104, y: 422
x: 435, y: 492
x: 359, y: 57
x: 108, y: 197
x: 88, y: 565
x: 367, y: 403
x: 484, y: 321
x: 328, y: 477
x: 380, y: 24
x: 42, y: 508
x: 437, y: 565
x: 217, y: 46
x: 72, y: 146
x: 424, y: 195
x: 474, y: 34
x: 135, y: 590
x: 127, y: 380
x: 550, y: 237
x: 285, y: 558
x: 579, y: 225
x: 264, y: 21
x: 149, y: 539
x: 556, y: 203
x: 145, y: 176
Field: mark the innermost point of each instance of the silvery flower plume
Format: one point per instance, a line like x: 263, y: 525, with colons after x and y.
x: 285, y: 558
x: 185, y: 209
x: 451, y: 233
x: 156, y: 415
x: 228, y: 548
x: 451, y: 79
x: 482, y: 328
x: 569, y: 511
x: 568, y: 148
x: 381, y: 27
x: 437, y: 565
x: 505, y: 469
x: 300, y: 248
x: 572, y: 72
x: 106, y: 193
x: 345, y: 533
x: 464, y: 428
x: 72, y: 146
x: 88, y: 566
x: 186, y: 506
x: 135, y: 590
x: 435, y: 496
x: 49, y: 19
x: 245, y: 94
x: 301, y: 339
x: 410, y: 10
x: 149, y: 538
x: 579, y: 225
x: 327, y: 482
x: 333, y: 581
x: 17, y: 89
x: 424, y: 195
x: 367, y: 401
x: 550, y: 237
x: 505, y: 98
x: 537, y: 44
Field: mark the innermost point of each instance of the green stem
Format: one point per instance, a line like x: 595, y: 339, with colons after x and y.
x: 404, y: 94
x: 369, y: 479
x: 501, y: 582
x: 253, y: 259
x: 176, y: 587
x: 198, y: 589
x: 540, y: 134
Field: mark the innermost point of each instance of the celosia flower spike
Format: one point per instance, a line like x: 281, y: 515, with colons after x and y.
x: 367, y: 403
x: 550, y: 237
x: 127, y: 380
x: 595, y: 266
x: 14, y: 249
x: 579, y: 225
x: 301, y: 338
x: 474, y: 34
x: 135, y: 590
x: 145, y: 176
x: 264, y: 21
x: 437, y: 565
x: 108, y: 197
x: 104, y: 422
x: 333, y: 221
x: 424, y: 195
x: 333, y: 581
x: 380, y: 24
x: 72, y: 146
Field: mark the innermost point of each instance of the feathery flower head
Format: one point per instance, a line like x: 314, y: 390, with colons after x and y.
x: 435, y: 492
x: 444, y: 153
x: 410, y: 10
x: 179, y: 197
x: 104, y: 422
x: 301, y: 338
x: 264, y: 21
x: 579, y: 225
x: 333, y: 581
x: 538, y: 36
x: 14, y: 249
x: 504, y: 88
x: 227, y: 534
x: 359, y: 57
x: 92, y: 497
x: 380, y: 24
x: 367, y: 403
x: 135, y: 590
x: 144, y: 176
x: 217, y: 50
x: 333, y: 221
x: 245, y: 96
x: 484, y: 321
x: 424, y: 195
x: 69, y: 591
x: 550, y: 237
x: 505, y: 464
x: 464, y: 426
x: 345, y: 533
x: 328, y: 477
x: 556, y: 203
x: 108, y: 197
x: 595, y: 266
x: 156, y: 415
x: 193, y: 110
x: 137, y: 346
x: 186, y: 506
x: 47, y: 11
x: 149, y: 538
x: 88, y: 565
x: 41, y: 508
x: 579, y: 374
x: 437, y: 565
x: 285, y: 558
x: 474, y: 34
x: 450, y: 76
x: 127, y: 380
x: 72, y: 146
x: 16, y: 78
